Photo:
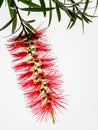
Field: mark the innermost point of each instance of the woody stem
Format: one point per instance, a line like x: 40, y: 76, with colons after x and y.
x: 21, y: 20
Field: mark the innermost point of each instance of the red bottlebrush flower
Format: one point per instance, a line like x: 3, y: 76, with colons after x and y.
x: 37, y: 74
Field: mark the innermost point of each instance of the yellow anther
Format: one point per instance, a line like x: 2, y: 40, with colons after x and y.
x: 30, y: 61
x: 31, y: 49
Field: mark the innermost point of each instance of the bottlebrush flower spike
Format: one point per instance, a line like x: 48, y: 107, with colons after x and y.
x: 37, y: 74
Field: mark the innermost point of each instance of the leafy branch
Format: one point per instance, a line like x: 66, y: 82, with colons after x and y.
x: 15, y: 15
x: 74, y: 10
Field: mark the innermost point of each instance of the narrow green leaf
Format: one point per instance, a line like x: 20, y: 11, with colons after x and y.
x: 73, y: 23
x: 7, y: 24
x: 83, y: 26
x: 36, y: 9
x: 96, y: 6
x: 30, y: 21
x: 86, y: 5
x: 58, y: 12
x: 12, y: 11
x: 29, y: 3
x: 86, y: 19
x: 29, y: 7
x: 42, y: 2
x: 29, y: 26
x: 50, y: 13
x: 91, y: 16
x: 14, y: 24
x: 70, y: 14
x: 69, y: 24
x: 1, y: 2
x: 97, y: 3
x: 11, y: 6
x: 77, y: 16
x: 9, y: 2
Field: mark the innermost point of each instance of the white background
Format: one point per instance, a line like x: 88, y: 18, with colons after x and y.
x: 77, y: 57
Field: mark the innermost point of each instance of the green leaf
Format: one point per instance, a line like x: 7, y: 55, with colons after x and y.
x: 11, y: 6
x: 58, y: 12
x: 29, y: 3
x: 30, y: 21
x: 77, y: 16
x: 42, y: 2
x: 96, y: 6
x: 29, y: 26
x: 91, y: 16
x: 9, y: 2
x: 36, y: 9
x: 73, y: 23
x: 50, y: 13
x: 86, y: 5
x: 1, y: 2
x: 83, y: 25
x: 70, y: 14
x: 7, y: 24
x: 14, y: 24
x: 29, y: 7
x: 86, y: 19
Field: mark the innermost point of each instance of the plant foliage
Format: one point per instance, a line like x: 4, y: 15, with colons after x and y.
x: 73, y: 9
